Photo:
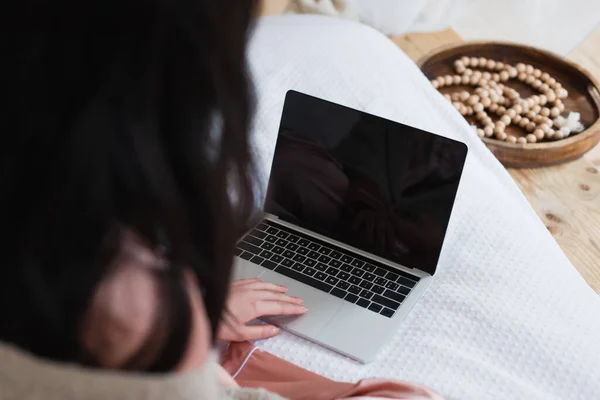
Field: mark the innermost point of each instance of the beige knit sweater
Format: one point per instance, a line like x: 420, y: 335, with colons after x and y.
x: 26, y: 377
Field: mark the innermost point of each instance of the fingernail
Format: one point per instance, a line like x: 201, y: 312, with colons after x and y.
x: 275, y: 330
x: 283, y: 288
x: 298, y: 300
x: 303, y: 308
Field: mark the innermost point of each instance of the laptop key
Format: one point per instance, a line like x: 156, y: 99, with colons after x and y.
x: 313, y: 246
x: 369, y: 267
x: 298, y: 267
x: 357, y: 263
x: 271, y: 239
x: 276, y: 249
x: 375, y: 307
x: 332, y: 271
x: 321, y: 276
x: 363, y: 303
x: 358, y: 272
x: 369, y: 277
x: 385, y: 302
x: 257, y: 260
x: 266, y: 254
x: 269, y: 264
x: 258, y: 234
x: 310, y: 271
x: 406, y: 282
x: 354, y: 279
x: 392, y: 285
x: 282, y: 234
x: 310, y: 262
x: 324, y: 259
x: 346, y: 268
x: 377, y: 289
x: 403, y: 290
x: 310, y: 281
x: 303, y: 242
x: 288, y: 254
x: 281, y: 242
x: 386, y: 312
x: 354, y: 289
x: 343, y: 275
x: 380, y: 272
x: 394, y: 296
x: 324, y: 250
x: 313, y: 254
x: 366, y: 285
x: 299, y: 258
x: 335, y: 254
x: 292, y: 246
x: 331, y: 280
x: 392, y: 276
x: 272, y: 231
x: 351, y: 298
x: 302, y: 250
x: 343, y: 285
x: 287, y: 262
x: 409, y: 276
x: 293, y: 238
x: 237, y: 252
x: 335, y: 263
x: 267, y: 246
x: 346, y: 259
x: 262, y: 227
x: 321, y: 266
x: 246, y: 255
x: 253, y: 240
x: 366, y: 294
x: 277, y: 258
x: 380, y: 281
x: 250, y: 248
x: 338, y: 293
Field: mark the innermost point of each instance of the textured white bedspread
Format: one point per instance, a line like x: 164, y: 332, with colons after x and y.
x: 507, y: 316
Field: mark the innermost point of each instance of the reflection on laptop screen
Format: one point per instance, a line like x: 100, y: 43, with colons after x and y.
x: 371, y: 183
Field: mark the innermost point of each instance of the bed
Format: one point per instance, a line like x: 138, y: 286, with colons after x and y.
x: 506, y: 316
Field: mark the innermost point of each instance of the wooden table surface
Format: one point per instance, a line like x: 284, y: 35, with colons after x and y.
x: 566, y: 197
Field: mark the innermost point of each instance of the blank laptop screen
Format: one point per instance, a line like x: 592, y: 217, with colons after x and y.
x: 371, y: 183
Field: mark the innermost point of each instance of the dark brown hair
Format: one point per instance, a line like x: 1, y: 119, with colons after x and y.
x: 131, y: 113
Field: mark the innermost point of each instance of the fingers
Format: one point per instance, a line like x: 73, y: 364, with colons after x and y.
x: 255, y: 332
x: 268, y: 295
x: 257, y: 284
x: 267, y: 307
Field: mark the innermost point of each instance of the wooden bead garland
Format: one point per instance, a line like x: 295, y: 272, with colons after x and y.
x: 534, y: 114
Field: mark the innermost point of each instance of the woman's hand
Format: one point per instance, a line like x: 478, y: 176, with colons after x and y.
x: 252, y: 298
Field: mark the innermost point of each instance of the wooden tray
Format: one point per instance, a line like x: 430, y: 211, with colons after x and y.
x: 584, y: 98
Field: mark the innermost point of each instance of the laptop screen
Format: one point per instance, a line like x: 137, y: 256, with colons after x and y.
x: 374, y: 184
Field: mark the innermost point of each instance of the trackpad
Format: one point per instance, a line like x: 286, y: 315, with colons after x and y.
x: 321, y: 306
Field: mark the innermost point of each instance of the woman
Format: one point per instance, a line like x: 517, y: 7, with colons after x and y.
x: 126, y: 180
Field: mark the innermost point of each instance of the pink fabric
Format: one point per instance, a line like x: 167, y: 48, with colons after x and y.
x: 254, y: 368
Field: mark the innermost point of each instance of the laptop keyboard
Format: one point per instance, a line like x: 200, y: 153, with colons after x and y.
x: 326, y: 267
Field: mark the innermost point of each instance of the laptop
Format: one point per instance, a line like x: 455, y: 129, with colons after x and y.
x: 356, y: 212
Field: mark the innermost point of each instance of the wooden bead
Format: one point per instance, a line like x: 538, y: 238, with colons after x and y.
x: 547, y: 121
x: 481, y: 115
x: 537, y: 73
x: 545, y: 76
x: 504, y: 76
x: 476, y: 81
x: 530, y: 126
x: 488, y: 121
x: 493, y: 107
x: 536, y: 108
x: 545, y: 111
x: 536, y: 84
x: 530, y: 79
x: 488, y: 131
x: 468, y: 72
x: 448, y: 80
x: 460, y: 69
x: 562, y: 93
x: 435, y: 84
x: 501, y: 110
x: 499, y: 66
x: 447, y: 97
x: 531, y: 138
x: 455, y: 96
x: 529, y: 69
x: 531, y: 115
x: 465, y: 60
x: 486, y: 75
x: 480, y: 133
x: 458, y: 63
x: 522, y: 76
x: 478, y: 107
x: 551, y: 81
x: 538, y: 119
x: 523, y: 123
x: 469, y: 110
x: 441, y: 81
x: 511, y: 113
x: 457, y: 105
x: 521, y: 67
x: 550, y: 135
x: 544, y: 88
x: 511, y: 139
x: 516, y: 119
x: 506, y: 119
x: 539, y: 134
x: 486, y: 101
x: 501, y: 135
x: 496, y: 77
x: 551, y: 96
x: 500, y: 124
x: 482, y: 61
x: 477, y: 73
x: 543, y: 99
x: 560, y: 105
x: 463, y: 110
x: 518, y: 109
x: 456, y: 79
x: 554, y: 112
x: 474, y: 62
x: 512, y: 72
x: 491, y: 64
x: 464, y: 95
x: 465, y: 80
x: 474, y: 99
x: 545, y: 127
x: 521, y: 140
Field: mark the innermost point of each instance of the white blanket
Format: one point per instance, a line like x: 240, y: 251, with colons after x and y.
x: 507, y: 316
